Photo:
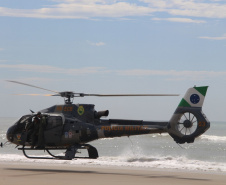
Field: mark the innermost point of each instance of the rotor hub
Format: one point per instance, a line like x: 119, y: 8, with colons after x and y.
x: 187, y: 124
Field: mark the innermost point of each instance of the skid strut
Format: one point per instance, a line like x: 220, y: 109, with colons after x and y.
x: 69, y: 154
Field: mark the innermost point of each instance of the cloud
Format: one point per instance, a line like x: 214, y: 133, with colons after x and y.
x: 214, y: 38
x: 52, y: 69
x: 80, y: 10
x: 96, y: 43
x: 99, y: 44
x: 89, y: 9
x: 168, y: 74
x: 182, y: 20
x: 173, y: 74
x: 192, y: 8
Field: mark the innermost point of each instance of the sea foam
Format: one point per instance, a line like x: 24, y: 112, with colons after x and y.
x: 153, y: 162
x: 213, y: 138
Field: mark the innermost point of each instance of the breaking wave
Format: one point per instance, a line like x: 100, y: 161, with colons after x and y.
x: 154, y: 162
x: 213, y: 138
x: 3, y: 136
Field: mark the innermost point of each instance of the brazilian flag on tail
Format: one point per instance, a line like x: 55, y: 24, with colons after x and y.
x: 194, y: 97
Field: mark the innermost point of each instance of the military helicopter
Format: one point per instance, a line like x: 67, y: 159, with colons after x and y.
x: 71, y: 126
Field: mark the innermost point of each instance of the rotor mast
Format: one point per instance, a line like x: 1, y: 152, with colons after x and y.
x: 68, y: 97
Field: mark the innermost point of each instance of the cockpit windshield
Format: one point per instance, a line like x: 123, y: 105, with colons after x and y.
x: 23, y: 122
x: 23, y: 119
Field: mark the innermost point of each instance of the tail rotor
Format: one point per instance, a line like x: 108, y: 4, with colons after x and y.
x: 187, y: 124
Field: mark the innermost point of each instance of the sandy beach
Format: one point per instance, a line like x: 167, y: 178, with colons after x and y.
x: 36, y: 174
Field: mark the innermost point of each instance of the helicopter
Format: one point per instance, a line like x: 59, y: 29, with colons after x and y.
x: 71, y: 126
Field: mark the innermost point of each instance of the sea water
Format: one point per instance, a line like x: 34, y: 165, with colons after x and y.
x: 207, y: 153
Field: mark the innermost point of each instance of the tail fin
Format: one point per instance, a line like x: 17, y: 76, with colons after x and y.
x: 188, y: 121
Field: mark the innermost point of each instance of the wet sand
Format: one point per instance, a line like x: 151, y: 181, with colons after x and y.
x: 36, y: 174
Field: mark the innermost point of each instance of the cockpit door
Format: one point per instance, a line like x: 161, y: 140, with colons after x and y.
x: 53, y: 130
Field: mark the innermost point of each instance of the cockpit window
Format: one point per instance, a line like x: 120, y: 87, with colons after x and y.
x: 23, y: 119
x: 22, y: 123
x: 54, y: 121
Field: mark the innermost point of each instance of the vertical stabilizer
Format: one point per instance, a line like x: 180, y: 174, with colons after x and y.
x: 194, y: 97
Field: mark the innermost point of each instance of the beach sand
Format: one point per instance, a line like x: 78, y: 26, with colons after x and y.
x: 36, y: 174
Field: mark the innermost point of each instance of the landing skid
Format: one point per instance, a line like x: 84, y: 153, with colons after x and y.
x: 69, y: 154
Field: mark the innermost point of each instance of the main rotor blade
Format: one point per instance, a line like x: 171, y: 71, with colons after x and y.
x: 34, y: 94
x: 71, y: 94
x: 31, y: 85
x: 109, y: 95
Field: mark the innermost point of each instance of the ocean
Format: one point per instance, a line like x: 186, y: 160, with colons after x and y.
x: 207, y: 153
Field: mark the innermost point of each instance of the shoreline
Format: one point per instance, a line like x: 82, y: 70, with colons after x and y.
x: 139, y: 163
x: 67, y: 163
x: 39, y: 173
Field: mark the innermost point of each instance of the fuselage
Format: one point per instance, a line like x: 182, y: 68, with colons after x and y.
x: 68, y: 125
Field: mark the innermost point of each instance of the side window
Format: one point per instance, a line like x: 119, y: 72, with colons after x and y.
x: 54, y: 121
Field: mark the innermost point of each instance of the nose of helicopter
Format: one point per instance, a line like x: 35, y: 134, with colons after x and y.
x: 9, y: 134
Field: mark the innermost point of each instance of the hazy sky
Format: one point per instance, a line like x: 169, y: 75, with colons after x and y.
x: 114, y: 46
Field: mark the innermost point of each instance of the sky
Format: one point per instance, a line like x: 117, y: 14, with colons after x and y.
x: 113, y: 46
